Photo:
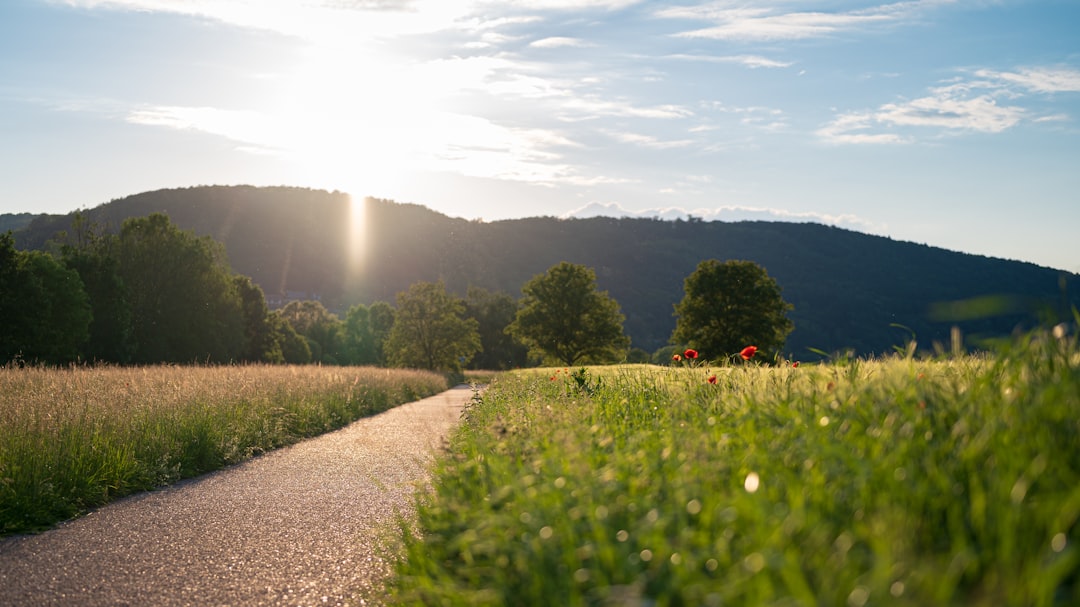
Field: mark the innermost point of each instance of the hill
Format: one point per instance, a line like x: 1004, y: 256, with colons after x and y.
x: 849, y: 289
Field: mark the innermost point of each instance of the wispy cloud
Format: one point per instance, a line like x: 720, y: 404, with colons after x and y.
x: 732, y: 21
x: 585, y: 108
x: 750, y: 61
x: 1038, y: 79
x: 467, y: 145
x: 558, y: 42
x: 648, y: 141
x: 991, y: 103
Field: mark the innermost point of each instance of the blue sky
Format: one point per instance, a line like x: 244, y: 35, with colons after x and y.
x: 950, y: 123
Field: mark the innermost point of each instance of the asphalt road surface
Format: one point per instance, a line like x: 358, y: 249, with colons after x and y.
x: 305, y: 525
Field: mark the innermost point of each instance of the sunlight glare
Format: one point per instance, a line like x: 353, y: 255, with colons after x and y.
x: 357, y: 238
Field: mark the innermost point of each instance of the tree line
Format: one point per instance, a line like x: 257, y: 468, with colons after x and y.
x: 153, y: 293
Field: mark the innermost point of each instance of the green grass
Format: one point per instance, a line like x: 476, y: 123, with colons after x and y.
x: 72, y: 439
x: 893, y: 482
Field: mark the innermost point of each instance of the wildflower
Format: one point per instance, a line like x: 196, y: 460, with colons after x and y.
x: 795, y: 365
x: 748, y: 352
x: 676, y: 358
x: 712, y: 379
x: 552, y: 378
x: 690, y: 353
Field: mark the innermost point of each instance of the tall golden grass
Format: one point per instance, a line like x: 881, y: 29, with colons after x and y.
x: 75, y: 438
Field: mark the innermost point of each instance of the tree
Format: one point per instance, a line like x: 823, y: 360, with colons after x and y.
x: 381, y: 320
x: 728, y: 306
x: 493, y: 313
x: 430, y: 330
x: 319, y: 326
x: 44, y: 310
x: 261, y: 342
x: 358, y: 340
x: 294, y: 348
x: 184, y: 303
x: 564, y: 317
x: 112, y: 337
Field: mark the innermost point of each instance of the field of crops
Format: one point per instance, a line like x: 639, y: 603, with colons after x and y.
x: 71, y: 439
x: 953, y: 481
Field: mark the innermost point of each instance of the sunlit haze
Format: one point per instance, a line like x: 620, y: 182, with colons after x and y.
x: 950, y: 123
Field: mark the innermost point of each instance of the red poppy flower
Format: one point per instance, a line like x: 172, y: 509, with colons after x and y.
x: 676, y: 358
x: 748, y: 352
x: 795, y: 365
x: 712, y: 379
x: 691, y: 353
x: 552, y: 378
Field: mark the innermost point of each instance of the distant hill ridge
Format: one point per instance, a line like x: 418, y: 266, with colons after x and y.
x: 849, y: 289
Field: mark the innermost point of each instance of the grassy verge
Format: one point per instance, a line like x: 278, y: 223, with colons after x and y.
x: 72, y: 439
x: 893, y: 482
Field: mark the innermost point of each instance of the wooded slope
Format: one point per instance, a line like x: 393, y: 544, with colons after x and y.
x: 849, y: 289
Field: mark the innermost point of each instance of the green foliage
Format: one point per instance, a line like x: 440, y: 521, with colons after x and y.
x: 261, y: 342
x: 321, y: 328
x: 294, y: 348
x: 431, y: 331
x: 493, y: 313
x: 184, y: 303
x: 358, y: 340
x: 728, y: 306
x: 566, y: 318
x: 44, y: 310
x: 381, y: 319
x: 894, y: 482
x: 112, y: 338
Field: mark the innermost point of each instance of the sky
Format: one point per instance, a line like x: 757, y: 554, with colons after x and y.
x: 953, y: 123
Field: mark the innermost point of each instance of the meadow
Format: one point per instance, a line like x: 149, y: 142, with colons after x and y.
x: 75, y: 438
x: 899, y: 481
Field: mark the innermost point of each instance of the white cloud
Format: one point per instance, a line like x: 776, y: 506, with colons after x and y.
x: 591, y: 107
x: 1038, y: 79
x: 648, y: 141
x: 989, y: 104
x: 981, y: 114
x: 558, y: 42
x: 725, y: 213
x: 741, y: 22
x: 750, y: 61
x: 852, y: 129
x: 326, y: 21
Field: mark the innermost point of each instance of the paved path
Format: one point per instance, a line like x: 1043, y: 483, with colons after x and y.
x: 299, y: 526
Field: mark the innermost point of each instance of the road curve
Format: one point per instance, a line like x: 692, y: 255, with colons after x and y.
x: 304, y: 525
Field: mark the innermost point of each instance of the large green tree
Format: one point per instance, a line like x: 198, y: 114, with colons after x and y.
x: 730, y: 305
x: 185, y: 306
x: 381, y: 320
x: 319, y: 326
x: 294, y: 348
x: 262, y: 342
x: 88, y: 250
x: 493, y: 313
x: 44, y: 311
x: 358, y: 345
x: 564, y: 317
x: 431, y: 331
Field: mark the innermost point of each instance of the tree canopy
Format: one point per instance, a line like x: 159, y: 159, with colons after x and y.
x: 185, y: 306
x: 493, y: 312
x: 44, y: 312
x: 728, y: 306
x: 431, y: 331
x: 564, y: 317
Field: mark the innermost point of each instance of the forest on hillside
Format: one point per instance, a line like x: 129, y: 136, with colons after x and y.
x: 850, y: 291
